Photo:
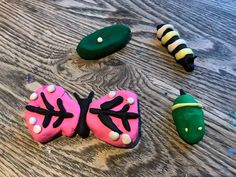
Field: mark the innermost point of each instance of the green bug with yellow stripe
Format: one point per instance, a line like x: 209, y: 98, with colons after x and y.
x: 188, y: 117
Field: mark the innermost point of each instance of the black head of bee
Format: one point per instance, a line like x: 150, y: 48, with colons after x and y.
x: 188, y: 62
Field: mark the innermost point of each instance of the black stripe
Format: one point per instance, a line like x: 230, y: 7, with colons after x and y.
x: 47, y: 120
x: 113, y: 103
x: 166, y: 31
x: 173, y: 39
x: 159, y: 26
x: 58, y: 122
x: 45, y: 101
x: 178, y: 48
x: 107, y: 121
x: 125, y: 124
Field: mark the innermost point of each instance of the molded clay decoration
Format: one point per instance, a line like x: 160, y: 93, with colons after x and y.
x: 51, y: 113
x: 104, y: 42
x: 114, y: 118
x: 176, y: 46
x: 188, y: 117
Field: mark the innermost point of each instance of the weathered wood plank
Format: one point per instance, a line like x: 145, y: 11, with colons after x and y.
x: 37, y: 46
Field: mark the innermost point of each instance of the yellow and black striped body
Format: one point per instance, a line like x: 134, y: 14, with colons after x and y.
x: 176, y: 46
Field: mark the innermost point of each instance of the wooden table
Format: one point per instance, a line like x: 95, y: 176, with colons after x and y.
x: 37, y: 46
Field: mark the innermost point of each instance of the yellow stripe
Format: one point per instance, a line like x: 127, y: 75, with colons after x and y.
x: 162, y: 30
x: 168, y: 36
x: 180, y: 105
x: 182, y: 53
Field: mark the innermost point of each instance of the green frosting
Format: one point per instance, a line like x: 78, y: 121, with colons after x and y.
x: 189, y: 120
x: 113, y: 37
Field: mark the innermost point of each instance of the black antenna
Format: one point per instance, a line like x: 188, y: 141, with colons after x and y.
x: 182, y: 92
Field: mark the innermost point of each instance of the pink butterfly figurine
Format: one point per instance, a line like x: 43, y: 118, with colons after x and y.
x: 51, y: 112
x: 114, y: 118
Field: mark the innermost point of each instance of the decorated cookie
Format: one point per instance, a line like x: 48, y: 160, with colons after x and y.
x: 176, y: 46
x: 188, y: 117
x: 51, y: 112
x: 104, y: 42
x: 114, y: 118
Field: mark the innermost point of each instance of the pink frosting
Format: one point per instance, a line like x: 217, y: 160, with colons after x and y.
x: 68, y: 126
x: 102, y: 132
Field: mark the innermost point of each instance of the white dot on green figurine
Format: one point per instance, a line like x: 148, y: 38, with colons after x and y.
x: 99, y: 40
x: 199, y: 128
x: 186, y: 130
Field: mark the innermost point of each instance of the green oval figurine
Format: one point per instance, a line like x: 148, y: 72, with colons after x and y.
x: 188, y: 117
x: 104, y: 42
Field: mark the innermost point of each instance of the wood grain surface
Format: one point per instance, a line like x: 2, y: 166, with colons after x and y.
x: 37, y: 46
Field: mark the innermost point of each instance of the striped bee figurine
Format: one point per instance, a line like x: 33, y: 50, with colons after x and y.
x: 176, y: 46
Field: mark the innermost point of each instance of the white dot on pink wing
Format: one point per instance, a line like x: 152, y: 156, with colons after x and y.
x: 33, y: 96
x: 32, y: 120
x: 37, y: 129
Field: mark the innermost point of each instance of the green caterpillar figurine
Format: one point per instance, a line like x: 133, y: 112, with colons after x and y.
x: 188, y: 117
